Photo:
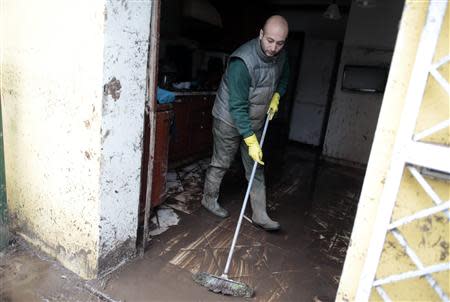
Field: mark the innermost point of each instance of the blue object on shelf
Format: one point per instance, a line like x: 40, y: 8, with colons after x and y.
x: 164, y: 96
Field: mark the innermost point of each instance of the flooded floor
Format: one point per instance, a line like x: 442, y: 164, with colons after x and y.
x: 302, y: 262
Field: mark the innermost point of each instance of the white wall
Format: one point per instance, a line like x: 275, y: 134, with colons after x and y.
x: 354, y: 115
x: 369, y: 40
x: 127, y: 29
x: 51, y: 79
x: 313, y: 89
x: 72, y: 136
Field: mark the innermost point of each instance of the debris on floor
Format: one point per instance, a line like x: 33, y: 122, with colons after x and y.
x: 185, y: 186
x: 330, y: 222
x: 173, y: 183
x: 164, y: 218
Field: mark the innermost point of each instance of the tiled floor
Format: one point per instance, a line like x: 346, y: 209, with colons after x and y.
x: 302, y: 262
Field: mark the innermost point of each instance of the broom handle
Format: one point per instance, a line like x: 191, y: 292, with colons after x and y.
x: 244, y: 205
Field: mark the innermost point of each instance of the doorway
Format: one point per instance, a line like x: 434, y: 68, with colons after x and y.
x: 310, y: 250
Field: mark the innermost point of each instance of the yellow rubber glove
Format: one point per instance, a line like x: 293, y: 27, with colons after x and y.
x: 254, y: 150
x: 273, y: 107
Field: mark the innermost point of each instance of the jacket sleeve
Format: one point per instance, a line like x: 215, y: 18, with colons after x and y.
x: 239, y: 81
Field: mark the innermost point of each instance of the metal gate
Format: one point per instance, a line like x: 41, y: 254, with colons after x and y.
x: 419, y: 155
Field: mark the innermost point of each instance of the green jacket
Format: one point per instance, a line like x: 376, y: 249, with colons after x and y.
x: 239, y: 79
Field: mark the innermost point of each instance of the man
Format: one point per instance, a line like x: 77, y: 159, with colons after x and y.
x: 255, y: 79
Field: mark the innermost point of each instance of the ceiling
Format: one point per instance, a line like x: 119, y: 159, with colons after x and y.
x: 283, y: 4
x: 306, y: 2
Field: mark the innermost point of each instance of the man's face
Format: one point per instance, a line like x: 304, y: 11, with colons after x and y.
x: 272, y: 42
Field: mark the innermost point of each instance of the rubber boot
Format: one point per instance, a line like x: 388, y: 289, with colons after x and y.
x: 214, y: 207
x: 211, y: 192
x: 260, y: 217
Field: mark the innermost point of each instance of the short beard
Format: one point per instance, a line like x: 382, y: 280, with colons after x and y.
x: 262, y: 48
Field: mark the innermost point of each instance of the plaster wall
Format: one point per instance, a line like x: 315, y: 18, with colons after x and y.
x: 126, y: 41
x: 51, y: 77
x: 73, y: 97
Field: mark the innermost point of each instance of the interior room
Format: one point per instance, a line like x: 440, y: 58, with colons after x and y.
x: 107, y: 136
x: 315, y: 153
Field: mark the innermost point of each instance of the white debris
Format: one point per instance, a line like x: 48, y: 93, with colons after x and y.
x: 167, y: 218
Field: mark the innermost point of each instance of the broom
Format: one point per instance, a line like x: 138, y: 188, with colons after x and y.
x: 222, y: 284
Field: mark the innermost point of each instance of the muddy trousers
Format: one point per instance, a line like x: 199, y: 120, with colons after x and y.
x: 227, y: 140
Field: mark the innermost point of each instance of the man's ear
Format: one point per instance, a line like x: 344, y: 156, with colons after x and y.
x: 261, y: 34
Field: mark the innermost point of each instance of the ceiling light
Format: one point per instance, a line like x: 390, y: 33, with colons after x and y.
x: 366, y: 3
x: 332, y: 12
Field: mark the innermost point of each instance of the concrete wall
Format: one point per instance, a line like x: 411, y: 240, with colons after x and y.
x: 369, y: 40
x: 127, y: 29
x: 73, y: 92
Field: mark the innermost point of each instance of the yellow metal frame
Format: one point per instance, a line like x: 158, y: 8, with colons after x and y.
x: 411, y: 206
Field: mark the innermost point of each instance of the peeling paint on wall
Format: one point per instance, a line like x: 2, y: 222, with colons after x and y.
x: 127, y: 30
x: 112, y: 88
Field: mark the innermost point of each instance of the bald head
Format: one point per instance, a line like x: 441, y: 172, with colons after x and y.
x: 273, y: 35
x: 277, y: 24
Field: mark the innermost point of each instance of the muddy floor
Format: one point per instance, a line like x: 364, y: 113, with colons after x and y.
x: 28, y: 275
x: 302, y: 262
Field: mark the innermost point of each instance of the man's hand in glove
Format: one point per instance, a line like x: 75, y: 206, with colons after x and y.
x: 254, y: 150
x: 273, y: 107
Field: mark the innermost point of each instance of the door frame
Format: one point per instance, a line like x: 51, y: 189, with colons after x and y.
x: 149, y: 126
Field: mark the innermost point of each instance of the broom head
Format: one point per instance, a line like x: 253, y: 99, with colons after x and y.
x: 222, y: 285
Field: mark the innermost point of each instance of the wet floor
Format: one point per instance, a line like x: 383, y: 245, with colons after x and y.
x: 302, y: 262
x: 26, y: 275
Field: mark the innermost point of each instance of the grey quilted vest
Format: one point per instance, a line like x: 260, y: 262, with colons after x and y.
x: 265, y: 73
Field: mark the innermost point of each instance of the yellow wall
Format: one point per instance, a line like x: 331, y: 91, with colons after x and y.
x: 428, y: 237
x: 436, y: 102
x: 51, y: 77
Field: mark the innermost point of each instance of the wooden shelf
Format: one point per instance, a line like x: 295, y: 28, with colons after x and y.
x: 192, y: 129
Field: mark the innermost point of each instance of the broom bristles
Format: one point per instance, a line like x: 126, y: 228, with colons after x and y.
x: 223, y: 286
